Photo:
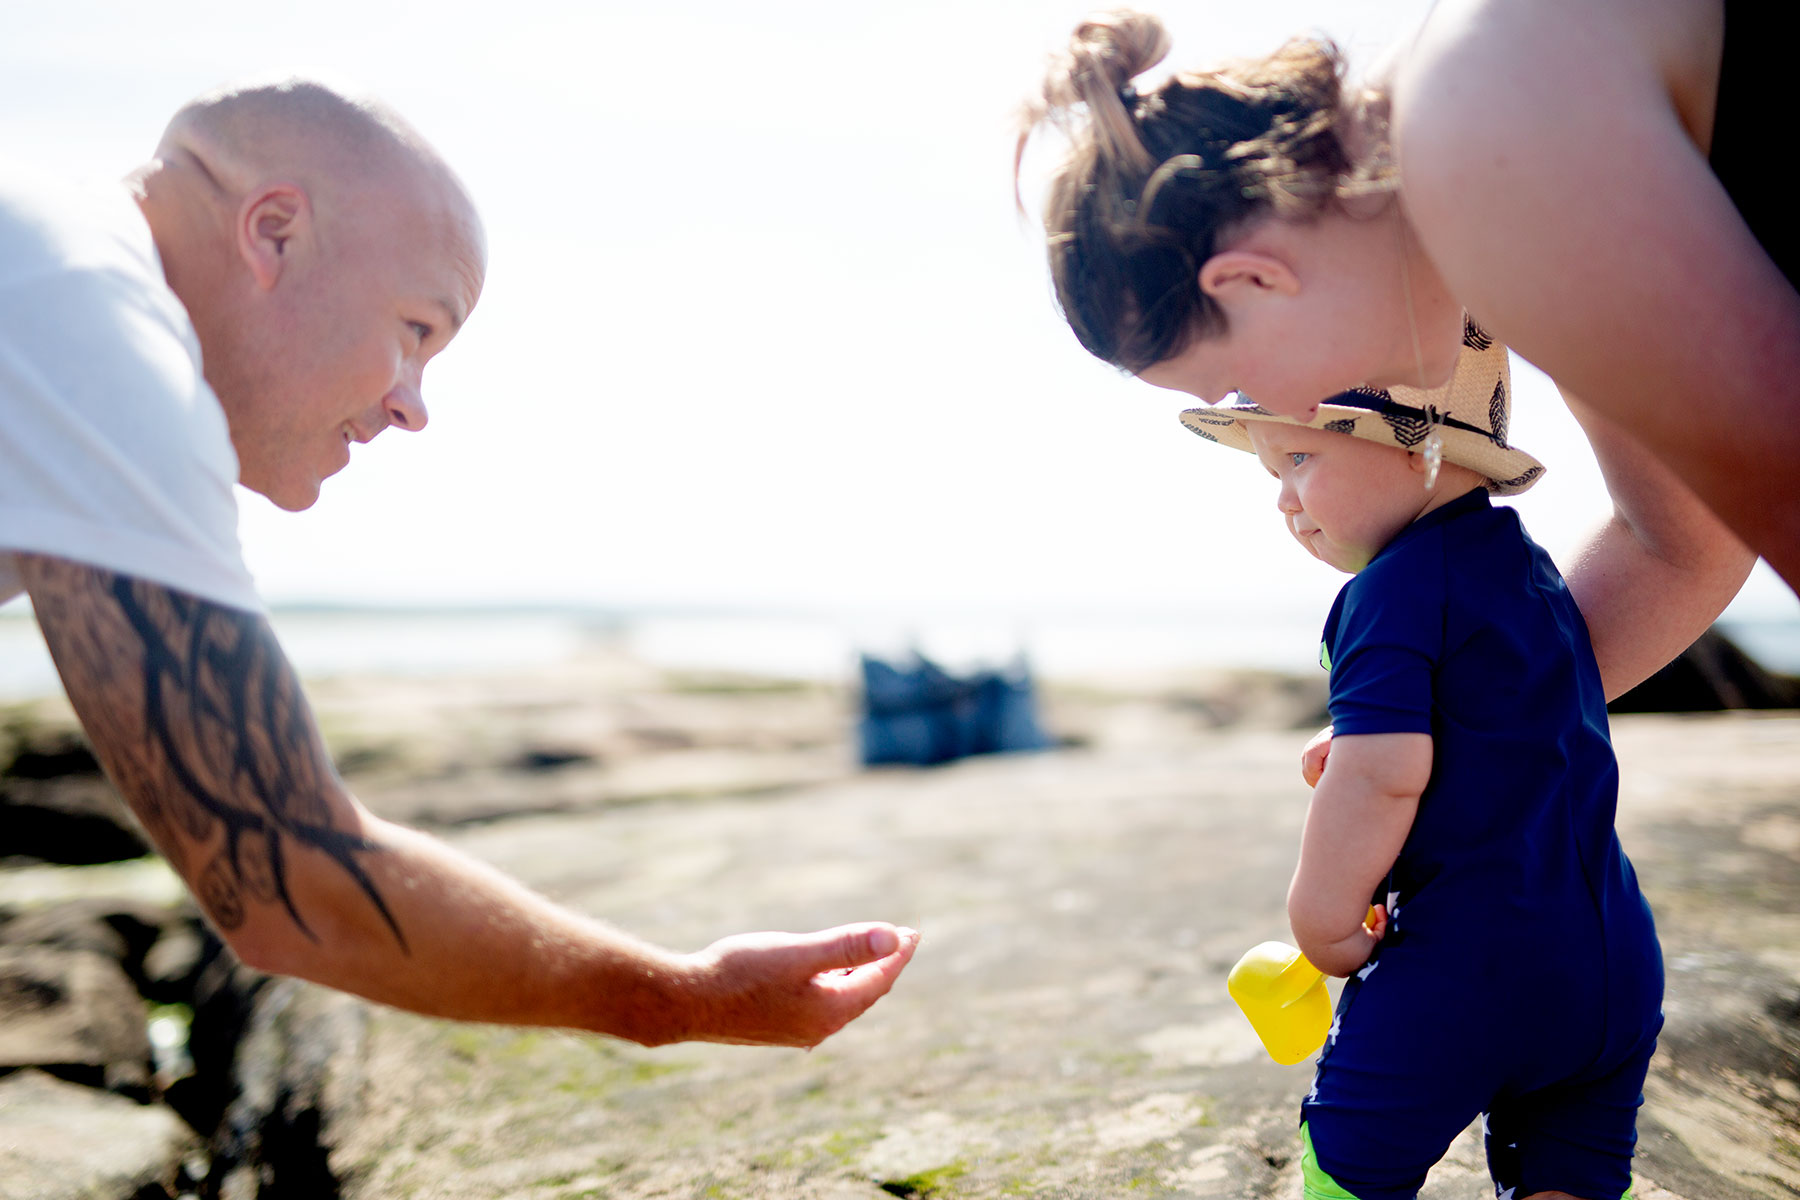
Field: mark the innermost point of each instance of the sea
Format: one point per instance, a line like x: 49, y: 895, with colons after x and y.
x: 334, y: 641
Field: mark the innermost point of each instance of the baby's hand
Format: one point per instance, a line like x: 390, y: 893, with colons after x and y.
x: 1312, y: 759
x: 1346, y: 955
x: 1359, y: 945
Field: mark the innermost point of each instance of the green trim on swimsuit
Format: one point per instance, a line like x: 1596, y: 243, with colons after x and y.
x: 1317, y: 1185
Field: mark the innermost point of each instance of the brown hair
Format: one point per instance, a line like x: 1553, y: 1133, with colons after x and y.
x: 1152, y: 181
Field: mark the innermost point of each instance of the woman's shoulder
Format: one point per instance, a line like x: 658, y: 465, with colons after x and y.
x: 1519, y: 129
x: 1480, y: 73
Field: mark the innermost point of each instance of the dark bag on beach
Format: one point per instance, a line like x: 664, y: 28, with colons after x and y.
x: 919, y: 714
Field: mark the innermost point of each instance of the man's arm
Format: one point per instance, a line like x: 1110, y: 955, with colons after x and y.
x: 1359, y: 817
x: 1658, y: 571
x: 201, y: 723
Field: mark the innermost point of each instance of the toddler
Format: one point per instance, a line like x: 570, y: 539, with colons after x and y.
x: 1511, y: 968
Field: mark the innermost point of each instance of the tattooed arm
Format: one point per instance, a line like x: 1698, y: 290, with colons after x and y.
x: 200, y: 721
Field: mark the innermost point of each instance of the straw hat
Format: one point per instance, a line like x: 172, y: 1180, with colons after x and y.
x: 1470, y: 412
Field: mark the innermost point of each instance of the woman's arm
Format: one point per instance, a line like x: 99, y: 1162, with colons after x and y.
x: 1359, y: 817
x: 201, y: 724
x: 1552, y: 164
x: 1658, y: 571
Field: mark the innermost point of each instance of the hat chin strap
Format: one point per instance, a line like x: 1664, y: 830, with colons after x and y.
x: 1434, y: 441
x: 1433, y: 451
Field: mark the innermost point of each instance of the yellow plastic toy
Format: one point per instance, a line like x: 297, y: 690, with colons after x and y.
x: 1284, y: 995
x: 1285, y: 998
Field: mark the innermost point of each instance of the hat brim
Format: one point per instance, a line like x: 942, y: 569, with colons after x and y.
x: 1397, y: 417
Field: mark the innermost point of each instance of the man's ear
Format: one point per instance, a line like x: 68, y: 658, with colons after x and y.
x: 1237, y: 275
x: 272, y: 223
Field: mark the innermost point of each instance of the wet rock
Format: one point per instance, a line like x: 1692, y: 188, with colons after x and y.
x: 222, y: 999
x: 51, y: 754
x: 56, y: 803
x: 171, y: 967
x: 1712, y: 675
x: 300, y: 1085
x: 549, y: 758
x: 64, y: 1142
x: 75, y: 821
x: 75, y: 1014
x: 122, y: 929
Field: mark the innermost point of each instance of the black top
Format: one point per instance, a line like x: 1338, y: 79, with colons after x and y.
x: 1755, y: 93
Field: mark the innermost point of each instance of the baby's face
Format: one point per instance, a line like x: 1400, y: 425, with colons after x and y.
x: 1343, y: 498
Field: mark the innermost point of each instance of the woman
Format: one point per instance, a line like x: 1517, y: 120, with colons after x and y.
x: 1540, y: 166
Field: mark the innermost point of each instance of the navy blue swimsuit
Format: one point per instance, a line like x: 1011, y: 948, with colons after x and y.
x: 1520, y: 977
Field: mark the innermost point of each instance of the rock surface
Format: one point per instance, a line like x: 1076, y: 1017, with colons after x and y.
x: 1064, y: 1030
x: 64, y: 1142
x: 299, y: 1088
x: 1712, y: 675
x: 73, y: 1013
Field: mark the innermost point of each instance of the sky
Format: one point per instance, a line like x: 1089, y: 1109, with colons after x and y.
x: 762, y: 328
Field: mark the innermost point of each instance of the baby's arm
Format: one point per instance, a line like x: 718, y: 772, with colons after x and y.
x: 1360, y: 814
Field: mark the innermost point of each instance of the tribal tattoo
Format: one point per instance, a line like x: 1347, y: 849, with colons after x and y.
x: 200, y: 720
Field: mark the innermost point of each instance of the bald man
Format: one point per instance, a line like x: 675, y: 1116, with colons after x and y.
x: 266, y: 291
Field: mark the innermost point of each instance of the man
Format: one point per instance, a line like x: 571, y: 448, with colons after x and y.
x: 314, y: 254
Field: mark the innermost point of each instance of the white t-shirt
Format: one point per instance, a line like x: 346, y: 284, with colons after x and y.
x: 113, y: 449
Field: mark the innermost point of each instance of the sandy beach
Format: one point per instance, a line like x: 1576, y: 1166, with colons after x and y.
x: 1064, y: 1030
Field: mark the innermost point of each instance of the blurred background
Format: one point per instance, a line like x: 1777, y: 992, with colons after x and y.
x: 767, y: 368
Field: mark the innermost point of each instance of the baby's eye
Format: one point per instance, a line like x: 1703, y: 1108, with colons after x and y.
x: 1297, y: 457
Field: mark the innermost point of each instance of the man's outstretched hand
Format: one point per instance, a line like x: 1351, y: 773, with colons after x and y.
x: 793, y: 989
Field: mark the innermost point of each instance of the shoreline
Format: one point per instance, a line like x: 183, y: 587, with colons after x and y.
x: 448, y: 643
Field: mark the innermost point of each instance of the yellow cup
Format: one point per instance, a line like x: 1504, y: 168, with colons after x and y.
x: 1285, y: 998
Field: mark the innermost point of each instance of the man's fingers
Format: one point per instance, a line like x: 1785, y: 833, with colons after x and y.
x: 854, y: 989
x: 854, y: 945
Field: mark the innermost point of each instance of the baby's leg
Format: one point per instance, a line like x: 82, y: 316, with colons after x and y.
x: 1573, y: 1139
x: 1402, y: 1076
x: 1315, y: 1182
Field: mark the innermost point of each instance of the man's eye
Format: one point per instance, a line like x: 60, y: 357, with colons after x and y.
x: 420, y: 328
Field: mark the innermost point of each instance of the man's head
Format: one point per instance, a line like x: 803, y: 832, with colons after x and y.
x: 325, y: 253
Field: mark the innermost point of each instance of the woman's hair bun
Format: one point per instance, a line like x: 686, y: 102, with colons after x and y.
x: 1106, y: 52
x: 1150, y: 182
x: 1114, y: 48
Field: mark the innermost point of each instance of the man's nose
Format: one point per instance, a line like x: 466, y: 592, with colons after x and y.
x: 405, y: 405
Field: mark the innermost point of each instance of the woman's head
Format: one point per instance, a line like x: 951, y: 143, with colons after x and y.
x: 1154, y: 183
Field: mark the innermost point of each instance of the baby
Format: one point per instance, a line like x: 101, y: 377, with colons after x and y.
x: 1511, y: 969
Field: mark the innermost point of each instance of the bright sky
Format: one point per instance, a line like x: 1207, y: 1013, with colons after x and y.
x: 761, y: 326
